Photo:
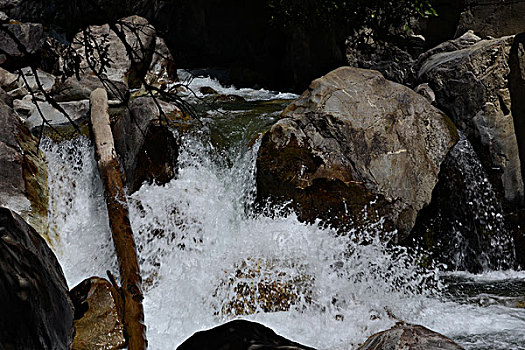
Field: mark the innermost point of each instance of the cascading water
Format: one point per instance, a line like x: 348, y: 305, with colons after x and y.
x: 206, y: 258
x: 465, y: 219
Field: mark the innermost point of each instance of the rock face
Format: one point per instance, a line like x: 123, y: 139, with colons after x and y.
x: 464, y: 226
x: 23, y: 172
x: 492, y: 18
x: 147, y: 149
x: 98, y: 318
x: 29, y: 35
x: 139, y: 35
x: 36, y: 310
x: 409, y: 337
x: 239, y: 335
x: 471, y: 85
x: 351, y: 139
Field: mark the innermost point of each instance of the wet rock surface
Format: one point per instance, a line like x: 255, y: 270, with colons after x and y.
x: 239, y: 335
x: 147, y: 148
x: 405, y: 336
x: 36, y: 310
x: 23, y: 172
x: 98, y: 316
x: 484, y: 113
x: 352, y: 139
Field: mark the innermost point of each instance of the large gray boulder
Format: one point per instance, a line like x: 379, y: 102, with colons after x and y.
x: 471, y: 84
x: 492, y: 18
x: 140, y: 39
x: 404, y: 336
x: 36, y: 310
x: 352, y: 139
x: 23, y: 172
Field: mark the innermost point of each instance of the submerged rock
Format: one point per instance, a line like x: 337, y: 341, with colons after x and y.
x: 352, y: 139
x: 471, y: 84
x: 98, y: 316
x: 239, y: 335
x: 405, y: 336
x: 36, y: 310
x: 147, y: 148
x: 23, y: 172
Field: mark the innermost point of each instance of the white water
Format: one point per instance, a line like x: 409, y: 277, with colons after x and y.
x: 199, y: 243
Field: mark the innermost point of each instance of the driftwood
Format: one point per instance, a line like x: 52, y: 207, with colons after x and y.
x: 114, y: 194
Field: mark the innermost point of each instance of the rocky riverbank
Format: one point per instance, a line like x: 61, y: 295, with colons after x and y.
x: 429, y: 145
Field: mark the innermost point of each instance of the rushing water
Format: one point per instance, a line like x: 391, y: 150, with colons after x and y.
x: 206, y: 257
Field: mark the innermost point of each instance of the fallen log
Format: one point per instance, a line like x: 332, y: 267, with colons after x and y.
x: 108, y: 166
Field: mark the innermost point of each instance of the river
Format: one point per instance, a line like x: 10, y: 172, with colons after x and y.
x: 208, y: 257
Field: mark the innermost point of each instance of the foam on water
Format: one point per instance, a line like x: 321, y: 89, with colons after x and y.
x: 196, y: 82
x: 207, y: 257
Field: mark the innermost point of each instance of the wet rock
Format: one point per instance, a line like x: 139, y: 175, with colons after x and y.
x: 28, y: 35
x: 352, y: 139
x: 463, y: 227
x: 206, y: 90
x: 98, y: 316
x: 139, y: 35
x: 471, y: 86
x: 466, y: 40
x: 162, y: 69
x: 23, y: 172
x: 147, y: 148
x: 405, y: 336
x: 73, y: 89
x: 239, y: 335
x: 492, y: 18
x: 36, y: 310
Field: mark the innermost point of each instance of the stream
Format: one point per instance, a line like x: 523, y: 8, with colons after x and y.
x: 208, y: 257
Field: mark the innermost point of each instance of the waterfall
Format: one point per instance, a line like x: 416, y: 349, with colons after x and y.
x: 207, y: 258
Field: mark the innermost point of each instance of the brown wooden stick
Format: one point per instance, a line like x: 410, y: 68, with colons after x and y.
x: 114, y: 194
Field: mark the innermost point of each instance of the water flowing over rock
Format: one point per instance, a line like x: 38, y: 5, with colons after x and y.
x: 405, y: 336
x: 148, y: 150
x: 98, y: 317
x: 471, y: 85
x: 239, y: 335
x: 23, y: 172
x: 463, y: 226
x: 36, y: 310
x: 351, y: 139
x: 492, y: 18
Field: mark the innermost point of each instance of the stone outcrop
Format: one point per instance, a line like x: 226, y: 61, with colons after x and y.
x: 352, y: 139
x: 141, y: 45
x: 17, y: 52
x: 471, y: 86
x: 492, y: 18
x: 98, y: 316
x: 36, y: 310
x: 463, y: 227
x: 147, y: 148
x: 23, y: 172
x: 239, y: 335
x: 405, y: 336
